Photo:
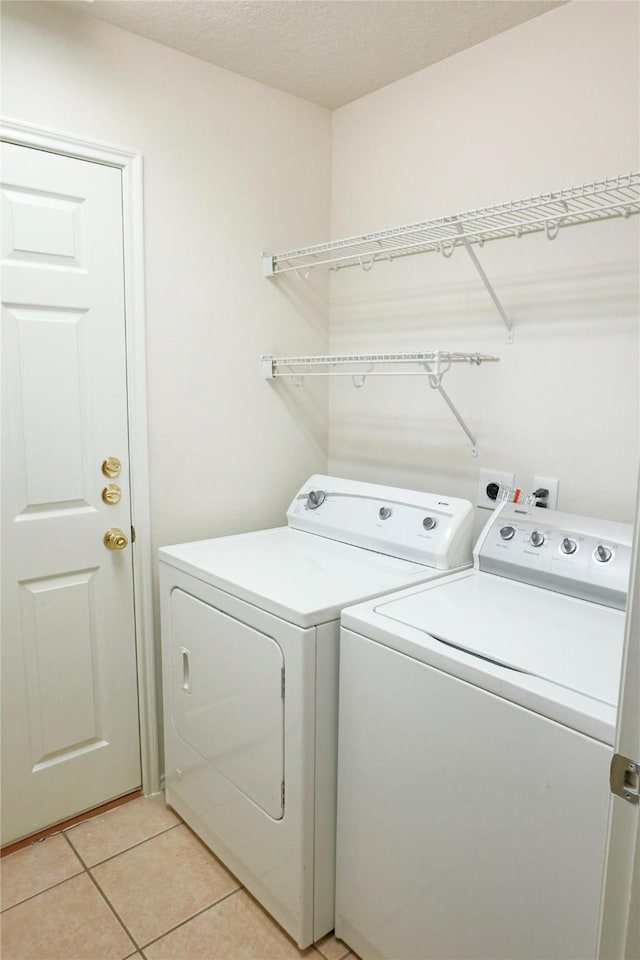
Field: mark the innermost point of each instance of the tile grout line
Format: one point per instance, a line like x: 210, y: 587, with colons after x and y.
x: 115, y: 913
x: 182, y: 923
x: 165, y: 933
x: 69, y: 844
x: 102, y: 894
x: 133, y: 846
x: 52, y: 886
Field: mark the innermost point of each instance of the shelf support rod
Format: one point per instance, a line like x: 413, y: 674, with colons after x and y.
x: 505, y: 319
x: 445, y: 396
x: 435, y: 383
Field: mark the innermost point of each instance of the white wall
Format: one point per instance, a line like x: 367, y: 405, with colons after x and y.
x: 548, y: 104
x: 227, y: 167
x: 228, y: 163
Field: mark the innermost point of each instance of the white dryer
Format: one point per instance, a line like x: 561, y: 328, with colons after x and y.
x: 477, y: 717
x: 250, y: 630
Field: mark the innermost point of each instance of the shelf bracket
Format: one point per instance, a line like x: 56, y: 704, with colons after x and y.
x: 267, y: 265
x: 505, y: 319
x: 435, y: 384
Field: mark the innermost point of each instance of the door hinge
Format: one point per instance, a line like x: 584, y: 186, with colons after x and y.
x: 133, y: 534
x: 282, y: 683
x: 624, y: 778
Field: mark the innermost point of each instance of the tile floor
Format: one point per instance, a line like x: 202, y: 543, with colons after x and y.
x: 135, y: 882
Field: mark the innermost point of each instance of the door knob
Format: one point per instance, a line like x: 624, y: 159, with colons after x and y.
x: 115, y: 539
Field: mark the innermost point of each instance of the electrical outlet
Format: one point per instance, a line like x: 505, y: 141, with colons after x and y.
x: 487, y: 477
x: 552, y: 486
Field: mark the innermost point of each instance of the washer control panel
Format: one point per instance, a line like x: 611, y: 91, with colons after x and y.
x: 428, y: 528
x: 580, y: 556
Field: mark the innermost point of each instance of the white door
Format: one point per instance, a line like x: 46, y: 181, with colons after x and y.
x: 70, y: 737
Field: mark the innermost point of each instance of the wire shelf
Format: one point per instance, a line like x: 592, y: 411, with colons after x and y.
x: 549, y: 212
x: 433, y: 363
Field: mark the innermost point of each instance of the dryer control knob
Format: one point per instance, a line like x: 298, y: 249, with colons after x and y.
x: 602, y: 554
x: 568, y: 545
x: 315, y: 499
x: 429, y: 523
x: 536, y: 539
x: 507, y: 533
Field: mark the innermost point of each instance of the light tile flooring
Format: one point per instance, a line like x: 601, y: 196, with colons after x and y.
x: 135, y: 882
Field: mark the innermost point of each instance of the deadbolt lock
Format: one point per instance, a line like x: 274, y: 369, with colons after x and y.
x: 115, y: 539
x: 111, y: 467
x: 111, y: 493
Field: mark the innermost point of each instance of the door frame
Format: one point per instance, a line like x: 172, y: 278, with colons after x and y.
x: 618, y: 939
x: 129, y: 162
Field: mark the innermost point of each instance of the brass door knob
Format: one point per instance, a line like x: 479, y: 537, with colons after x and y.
x: 115, y: 539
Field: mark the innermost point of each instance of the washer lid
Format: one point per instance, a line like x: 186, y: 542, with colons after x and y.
x: 571, y: 643
x: 298, y: 576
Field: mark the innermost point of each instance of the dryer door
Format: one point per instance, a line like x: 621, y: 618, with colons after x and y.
x: 226, y: 689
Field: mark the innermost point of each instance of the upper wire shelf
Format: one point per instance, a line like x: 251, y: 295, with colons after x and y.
x: 549, y: 212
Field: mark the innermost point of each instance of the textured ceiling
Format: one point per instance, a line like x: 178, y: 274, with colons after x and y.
x: 327, y: 51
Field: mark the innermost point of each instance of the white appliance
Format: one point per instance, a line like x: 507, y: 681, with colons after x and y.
x: 477, y: 718
x: 250, y: 630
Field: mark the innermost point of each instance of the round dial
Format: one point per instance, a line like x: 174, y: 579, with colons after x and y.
x: 384, y: 513
x: 429, y: 523
x: 507, y: 533
x: 568, y: 545
x: 602, y: 554
x: 536, y: 539
x: 315, y: 499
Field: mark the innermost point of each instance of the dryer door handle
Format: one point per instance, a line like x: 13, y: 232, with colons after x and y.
x: 186, y: 670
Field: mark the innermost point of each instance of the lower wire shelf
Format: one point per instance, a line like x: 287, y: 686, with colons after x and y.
x: 359, y: 366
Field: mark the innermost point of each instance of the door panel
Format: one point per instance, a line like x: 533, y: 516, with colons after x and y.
x: 48, y: 347
x: 70, y: 737
x: 59, y: 653
x: 41, y: 227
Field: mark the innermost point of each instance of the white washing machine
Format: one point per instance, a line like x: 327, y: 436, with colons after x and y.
x: 250, y: 630
x: 476, y: 724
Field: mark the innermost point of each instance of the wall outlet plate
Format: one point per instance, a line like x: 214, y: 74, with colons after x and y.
x: 551, y: 486
x: 485, y: 477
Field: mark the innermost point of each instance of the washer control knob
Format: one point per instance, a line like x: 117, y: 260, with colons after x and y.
x: 429, y: 523
x: 384, y: 513
x: 315, y: 499
x: 536, y: 539
x: 568, y: 545
x: 507, y: 533
x: 602, y: 554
